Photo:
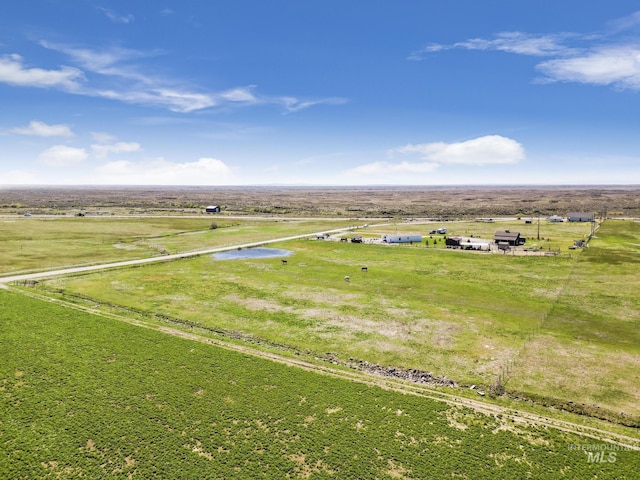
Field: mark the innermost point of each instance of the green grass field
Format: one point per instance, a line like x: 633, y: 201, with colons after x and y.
x: 30, y: 244
x: 82, y: 396
x: 589, y: 348
x: 564, y: 327
x: 453, y: 313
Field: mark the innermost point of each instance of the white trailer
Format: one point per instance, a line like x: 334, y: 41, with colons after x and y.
x: 406, y: 238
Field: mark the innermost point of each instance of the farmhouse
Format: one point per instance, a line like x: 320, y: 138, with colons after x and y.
x: 409, y: 238
x: 467, y: 243
x: 453, y: 242
x: 212, y: 209
x: 580, y: 217
x: 506, y: 237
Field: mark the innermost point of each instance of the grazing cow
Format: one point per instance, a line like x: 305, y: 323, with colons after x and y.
x: 364, y: 269
x: 347, y: 278
x: 284, y: 262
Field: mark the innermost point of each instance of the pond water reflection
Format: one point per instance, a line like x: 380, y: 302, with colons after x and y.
x: 257, y: 252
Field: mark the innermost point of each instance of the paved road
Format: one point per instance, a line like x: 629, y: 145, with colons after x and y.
x: 164, y: 258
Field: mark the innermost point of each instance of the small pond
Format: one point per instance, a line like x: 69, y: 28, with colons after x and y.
x: 257, y: 252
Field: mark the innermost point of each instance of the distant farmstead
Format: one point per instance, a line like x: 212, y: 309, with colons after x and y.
x: 212, y: 209
x: 580, y: 217
x: 507, y: 237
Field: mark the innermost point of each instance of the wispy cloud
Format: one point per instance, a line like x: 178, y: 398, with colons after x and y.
x: 103, y: 137
x: 143, y: 88
x: 611, y: 57
x: 294, y: 105
x: 103, y: 150
x: 14, y: 72
x: 511, y: 42
x: 624, y: 24
x: 112, y: 61
x: 115, y: 73
x: 41, y: 129
x: 116, y: 18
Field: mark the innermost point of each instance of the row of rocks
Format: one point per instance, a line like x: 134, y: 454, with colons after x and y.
x: 410, y: 374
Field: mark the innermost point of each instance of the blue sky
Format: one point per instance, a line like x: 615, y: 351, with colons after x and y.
x: 359, y: 92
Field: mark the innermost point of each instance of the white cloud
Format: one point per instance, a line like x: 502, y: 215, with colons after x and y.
x: 490, y: 149
x: 103, y: 150
x: 240, y: 94
x: 103, y: 137
x: 617, y: 66
x: 62, y: 156
x: 14, y: 72
x: 204, y: 171
x: 115, y: 18
x: 41, y: 129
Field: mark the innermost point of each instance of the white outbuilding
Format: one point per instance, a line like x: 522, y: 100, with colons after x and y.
x: 405, y: 238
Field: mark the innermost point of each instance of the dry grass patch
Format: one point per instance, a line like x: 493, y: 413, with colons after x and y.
x: 580, y: 372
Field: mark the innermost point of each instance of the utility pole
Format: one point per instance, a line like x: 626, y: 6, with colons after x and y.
x: 538, y: 225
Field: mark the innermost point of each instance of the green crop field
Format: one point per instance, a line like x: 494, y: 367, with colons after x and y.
x: 30, y: 244
x: 83, y: 396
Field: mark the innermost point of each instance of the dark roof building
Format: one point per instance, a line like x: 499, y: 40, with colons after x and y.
x: 507, y: 237
x: 453, y: 241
